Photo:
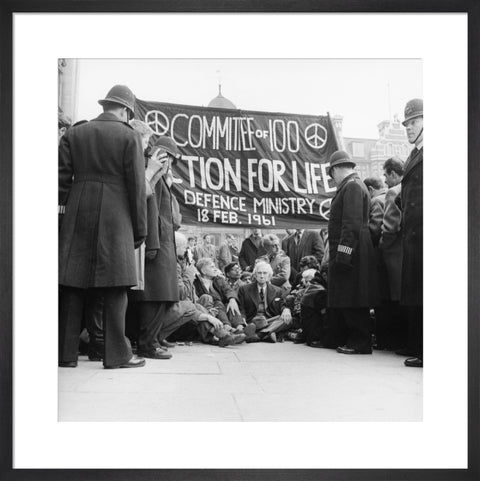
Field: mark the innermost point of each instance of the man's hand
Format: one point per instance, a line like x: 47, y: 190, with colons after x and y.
x: 216, y: 323
x: 286, y: 316
x: 233, y: 306
x: 157, y: 166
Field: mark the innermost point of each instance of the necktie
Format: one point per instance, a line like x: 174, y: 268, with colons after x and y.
x: 261, y: 306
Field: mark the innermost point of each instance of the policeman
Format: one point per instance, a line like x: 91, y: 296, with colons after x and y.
x: 102, y: 199
x: 352, y: 288
x: 412, y: 228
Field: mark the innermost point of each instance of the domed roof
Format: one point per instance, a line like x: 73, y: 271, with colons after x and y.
x: 220, y: 102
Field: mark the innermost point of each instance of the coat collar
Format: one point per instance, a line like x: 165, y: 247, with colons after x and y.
x: 346, y: 180
x: 107, y: 116
x: 413, y: 160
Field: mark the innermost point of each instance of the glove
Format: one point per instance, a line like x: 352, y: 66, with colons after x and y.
x: 138, y: 242
x: 151, y: 254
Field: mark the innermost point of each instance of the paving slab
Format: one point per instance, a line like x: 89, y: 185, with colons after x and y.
x: 249, y: 382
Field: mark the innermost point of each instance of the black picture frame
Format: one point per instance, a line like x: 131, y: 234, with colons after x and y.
x: 8, y: 7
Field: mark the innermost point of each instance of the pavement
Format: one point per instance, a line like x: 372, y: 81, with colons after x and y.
x: 248, y: 382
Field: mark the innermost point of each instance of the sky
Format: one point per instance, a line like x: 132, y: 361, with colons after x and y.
x: 364, y: 91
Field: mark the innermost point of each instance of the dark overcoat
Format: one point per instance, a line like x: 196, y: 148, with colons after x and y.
x: 102, y: 192
x: 249, y: 252
x: 352, y: 268
x: 249, y: 299
x: 391, y: 242
x: 161, y: 272
x: 311, y: 244
x: 412, y: 230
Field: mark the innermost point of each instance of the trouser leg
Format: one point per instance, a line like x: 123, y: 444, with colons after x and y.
x: 71, y: 302
x: 94, y: 324
x: 117, y: 347
x: 415, y: 330
x: 359, y: 329
x: 335, y: 328
x: 151, y: 319
x: 176, y: 315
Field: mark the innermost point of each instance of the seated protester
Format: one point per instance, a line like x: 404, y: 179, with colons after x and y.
x: 246, y: 277
x: 261, y: 302
x: 208, y: 328
x: 306, y: 262
x: 207, y: 282
x: 232, y: 275
x: 293, y: 302
x: 279, y: 262
x: 313, y: 311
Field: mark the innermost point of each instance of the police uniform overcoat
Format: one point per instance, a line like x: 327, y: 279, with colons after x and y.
x: 102, y: 195
x: 161, y: 272
x: 412, y: 230
x: 352, y: 267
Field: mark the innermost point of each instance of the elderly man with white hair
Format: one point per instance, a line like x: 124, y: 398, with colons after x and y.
x: 262, y: 303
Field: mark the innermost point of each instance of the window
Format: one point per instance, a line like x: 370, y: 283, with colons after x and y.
x: 358, y: 149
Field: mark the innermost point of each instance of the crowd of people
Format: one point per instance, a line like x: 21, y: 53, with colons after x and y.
x: 133, y: 286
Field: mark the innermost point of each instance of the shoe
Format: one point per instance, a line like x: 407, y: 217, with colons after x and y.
x: 94, y: 355
x: 315, y: 344
x: 413, y: 362
x: 231, y: 339
x: 272, y: 337
x: 349, y: 350
x: 167, y: 344
x: 158, y: 353
x: 67, y: 364
x: 133, y: 362
x: 253, y: 338
x: 405, y: 351
x: 249, y: 330
x: 299, y: 340
x: 239, y: 338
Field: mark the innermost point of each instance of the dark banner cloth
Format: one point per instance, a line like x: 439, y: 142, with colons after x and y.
x: 247, y: 169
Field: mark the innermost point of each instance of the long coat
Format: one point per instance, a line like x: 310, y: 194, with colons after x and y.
x: 412, y: 230
x: 352, y: 268
x: 161, y: 272
x: 249, y: 252
x: 391, y: 242
x: 311, y: 244
x: 102, y: 192
x: 249, y: 299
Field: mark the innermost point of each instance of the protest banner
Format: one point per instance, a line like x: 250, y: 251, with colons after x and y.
x: 244, y: 168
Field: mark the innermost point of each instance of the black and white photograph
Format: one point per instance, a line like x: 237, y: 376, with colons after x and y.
x: 248, y: 238
x: 228, y: 256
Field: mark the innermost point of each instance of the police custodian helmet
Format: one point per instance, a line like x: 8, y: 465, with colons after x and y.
x: 122, y: 95
x: 339, y: 157
x: 414, y: 108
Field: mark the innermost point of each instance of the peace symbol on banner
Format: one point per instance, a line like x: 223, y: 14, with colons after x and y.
x: 316, y: 135
x: 157, y: 121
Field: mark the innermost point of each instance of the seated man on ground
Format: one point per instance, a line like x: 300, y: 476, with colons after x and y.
x: 208, y: 283
x: 232, y: 275
x: 262, y: 303
x: 207, y: 327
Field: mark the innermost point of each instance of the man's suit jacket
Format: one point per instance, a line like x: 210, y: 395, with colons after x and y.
x: 249, y: 299
x: 310, y: 244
